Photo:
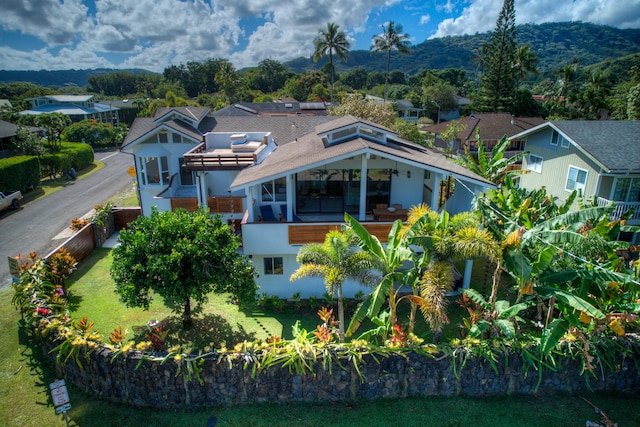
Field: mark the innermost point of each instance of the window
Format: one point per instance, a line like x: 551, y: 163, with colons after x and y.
x: 273, y: 265
x: 177, y: 138
x: 186, y: 176
x: 576, y: 179
x: 554, y: 138
x: 534, y: 163
x: 163, y: 137
x: 155, y: 170
x: 275, y: 191
x: 564, y: 143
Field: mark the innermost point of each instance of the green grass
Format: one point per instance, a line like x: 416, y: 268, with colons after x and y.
x: 91, y: 295
x: 25, y: 375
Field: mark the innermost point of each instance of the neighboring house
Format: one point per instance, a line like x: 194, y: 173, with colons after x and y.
x: 286, y: 180
x: 282, y: 107
x: 77, y: 107
x: 407, y: 111
x: 7, y: 131
x: 491, y: 127
x: 599, y: 158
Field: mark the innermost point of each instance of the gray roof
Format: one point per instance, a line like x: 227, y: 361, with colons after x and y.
x: 310, y: 150
x: 273, y: 108
x: 615, y: 144
x: 300, y: 143
x: 283, y: 128
x: 7, y: 129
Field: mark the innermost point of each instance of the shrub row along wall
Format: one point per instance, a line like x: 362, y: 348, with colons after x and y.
x: 157, y: 385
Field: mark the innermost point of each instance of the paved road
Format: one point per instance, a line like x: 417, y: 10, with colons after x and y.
x: 42, y: 225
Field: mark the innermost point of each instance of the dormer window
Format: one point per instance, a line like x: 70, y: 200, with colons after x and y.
x: 358, y: 131
x: 372, y: 133
x: 343, y: 134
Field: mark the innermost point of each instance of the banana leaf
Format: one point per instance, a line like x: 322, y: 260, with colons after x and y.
x: 571, y: 300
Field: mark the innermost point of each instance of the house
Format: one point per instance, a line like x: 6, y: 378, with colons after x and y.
x: 286, y: 180
x: 491, y: 127
x: 282, y: 107
x: 7, y: 132
x: 407, y: 111
x: 599, y: 158
x: 77, y: 107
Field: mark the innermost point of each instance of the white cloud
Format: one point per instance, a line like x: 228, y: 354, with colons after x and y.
x: 54, y: 22
x: 66, y: 58
x: 153, y: 34
x: 481, y: 15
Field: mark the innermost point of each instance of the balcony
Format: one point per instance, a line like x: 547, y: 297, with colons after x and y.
x: 215, y: 204
x: 286, y: 238
x: 202, y: 159
x: 622, y: 207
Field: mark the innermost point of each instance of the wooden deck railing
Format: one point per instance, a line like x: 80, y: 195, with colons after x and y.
x: 215, y: 204
x: 300, y: 234
x: 224, y: 204
x: 200, y: 159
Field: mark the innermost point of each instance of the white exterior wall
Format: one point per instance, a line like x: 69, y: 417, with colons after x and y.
x: 280, y: 285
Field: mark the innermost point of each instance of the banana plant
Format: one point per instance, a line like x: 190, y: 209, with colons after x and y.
x: 499, y: 317
x: 389, y: 260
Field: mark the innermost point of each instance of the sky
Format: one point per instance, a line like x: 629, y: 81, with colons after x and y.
x: 153, y: 34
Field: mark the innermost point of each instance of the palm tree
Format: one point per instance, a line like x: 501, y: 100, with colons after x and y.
x: 526, y: 61
x: 445, y: 240
x: 336, y: 260
x: 390, y: 39
x: 328, y: 42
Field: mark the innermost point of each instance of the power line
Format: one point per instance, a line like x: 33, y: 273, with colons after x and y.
x: 564, y: 251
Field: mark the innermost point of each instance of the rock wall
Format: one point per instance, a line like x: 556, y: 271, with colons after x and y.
x: 157, y: 385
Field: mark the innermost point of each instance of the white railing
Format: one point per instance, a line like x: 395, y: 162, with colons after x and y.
x: 622, y: 207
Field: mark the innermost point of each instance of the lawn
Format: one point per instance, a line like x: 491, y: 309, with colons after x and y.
x: 24, y: 379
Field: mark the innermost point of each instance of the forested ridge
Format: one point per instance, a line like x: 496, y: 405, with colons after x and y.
x: 556, y: 45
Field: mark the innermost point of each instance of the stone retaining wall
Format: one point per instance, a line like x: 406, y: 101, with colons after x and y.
x: 157, y: 385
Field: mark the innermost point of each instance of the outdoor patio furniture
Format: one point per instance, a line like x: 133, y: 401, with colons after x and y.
x: 267, y: 214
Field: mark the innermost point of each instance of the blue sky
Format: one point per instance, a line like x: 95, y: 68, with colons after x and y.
x: 152, y: 34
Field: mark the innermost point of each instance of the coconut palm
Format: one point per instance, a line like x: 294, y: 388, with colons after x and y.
x: 336, y: 260
x: 390, y: 39
x: 328, y: 42
x: 526, y: 61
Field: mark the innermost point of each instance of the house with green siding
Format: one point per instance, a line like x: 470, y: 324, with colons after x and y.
x: 601, y: 159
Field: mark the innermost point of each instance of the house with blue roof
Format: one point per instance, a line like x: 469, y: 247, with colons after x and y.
x: 77, y: 107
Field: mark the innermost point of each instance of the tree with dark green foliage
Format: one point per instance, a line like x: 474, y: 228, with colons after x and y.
x: 180, y: 256
x: 356, y: 79
x: 499, y: 81
x: 328, y: 42
x: 391, y: 39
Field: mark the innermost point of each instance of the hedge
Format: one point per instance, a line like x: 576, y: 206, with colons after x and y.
x: 19, y: 173
x: 71, y: 155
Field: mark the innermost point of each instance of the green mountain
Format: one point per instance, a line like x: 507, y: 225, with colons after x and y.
x: 556, y: 44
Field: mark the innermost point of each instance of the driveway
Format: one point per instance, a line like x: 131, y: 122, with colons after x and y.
x: 42, y: 225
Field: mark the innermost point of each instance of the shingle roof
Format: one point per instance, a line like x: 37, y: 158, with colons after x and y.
x: 7, y: 129
x: 300, y: 143
x: 311, y: 149
x: 492, y: 126
x: 273, y: 108
x: 613, y: 143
